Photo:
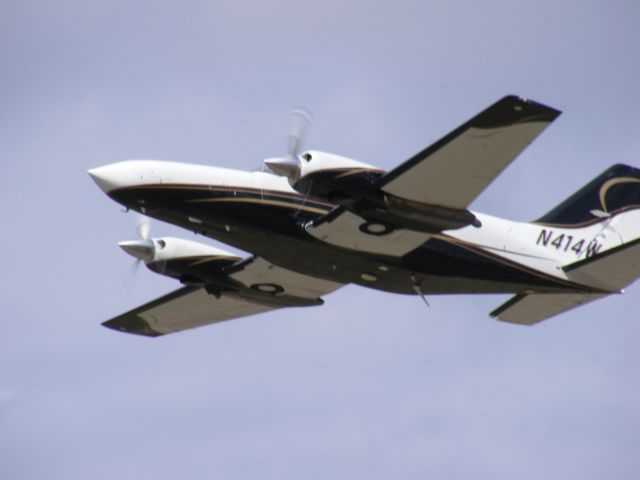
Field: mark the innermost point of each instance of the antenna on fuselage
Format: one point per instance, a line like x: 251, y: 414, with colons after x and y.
x: 416, y: 286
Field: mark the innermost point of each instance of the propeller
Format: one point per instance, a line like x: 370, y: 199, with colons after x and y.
x: 144, y: 227
x: 289, y: 166
x: 142, y: 249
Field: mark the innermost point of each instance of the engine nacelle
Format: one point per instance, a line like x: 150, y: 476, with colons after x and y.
x: 190, y: 262
x: 355, y: 186
x: 170, y: 248
x: 333, y: 177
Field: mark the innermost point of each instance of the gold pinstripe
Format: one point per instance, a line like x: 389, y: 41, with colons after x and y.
x: 275, y: 203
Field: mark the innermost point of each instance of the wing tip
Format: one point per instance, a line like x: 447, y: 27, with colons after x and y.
x: 553, y: 113
x: 513, y: 109
x: 132, y: 324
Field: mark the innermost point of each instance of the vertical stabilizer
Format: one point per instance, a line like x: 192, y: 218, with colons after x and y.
x: 614, y: 191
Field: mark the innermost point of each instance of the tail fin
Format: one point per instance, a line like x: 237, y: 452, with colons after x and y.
x: 602, y: 215
x: 615, y: 190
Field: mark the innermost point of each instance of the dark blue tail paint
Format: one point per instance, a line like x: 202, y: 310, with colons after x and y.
x: 616, y: 189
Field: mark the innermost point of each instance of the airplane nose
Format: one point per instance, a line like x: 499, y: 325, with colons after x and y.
x: 110, y: 177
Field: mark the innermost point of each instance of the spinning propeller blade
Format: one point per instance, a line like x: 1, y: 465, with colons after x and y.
x: 143, y: 249
x: 144, y: 227
x: 289, y: 166
x: 301, y: 121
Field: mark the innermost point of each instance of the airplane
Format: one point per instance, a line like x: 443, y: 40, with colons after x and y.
x: 315, y: 221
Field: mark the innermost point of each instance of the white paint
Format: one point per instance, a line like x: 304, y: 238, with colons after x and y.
x: 133, y: 173
x: 175, y: 248
x: 320, y: 161
x: 520, y: 242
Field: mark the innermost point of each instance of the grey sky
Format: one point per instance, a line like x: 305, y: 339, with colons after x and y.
x: 371, y: 385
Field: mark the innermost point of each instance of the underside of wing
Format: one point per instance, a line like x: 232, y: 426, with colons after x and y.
x: 253, y: 286
x: 533, y: 308
x: 186, y: 308
x: 345, y: 229
x: 455, y: 170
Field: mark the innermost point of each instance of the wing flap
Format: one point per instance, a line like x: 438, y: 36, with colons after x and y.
x: 529, y: 309
x: 455, y: 170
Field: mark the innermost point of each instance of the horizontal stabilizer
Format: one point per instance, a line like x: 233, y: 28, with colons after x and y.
x: 528, y: 309
x: 611, y: 270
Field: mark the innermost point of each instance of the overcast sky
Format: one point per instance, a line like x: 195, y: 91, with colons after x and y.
x: 370, y: 385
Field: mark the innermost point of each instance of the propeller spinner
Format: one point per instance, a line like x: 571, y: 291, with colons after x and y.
x: 289, y: 166
x: 142, y: 249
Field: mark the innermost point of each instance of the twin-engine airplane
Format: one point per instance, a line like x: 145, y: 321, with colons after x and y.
x: 318, y: 221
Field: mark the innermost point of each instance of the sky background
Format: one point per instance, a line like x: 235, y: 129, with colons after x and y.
x: 371, y: 385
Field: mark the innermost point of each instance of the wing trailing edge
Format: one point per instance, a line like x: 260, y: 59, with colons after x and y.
x: 529, y: 309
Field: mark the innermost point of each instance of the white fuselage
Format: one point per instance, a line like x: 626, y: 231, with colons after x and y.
x: 535, y: 246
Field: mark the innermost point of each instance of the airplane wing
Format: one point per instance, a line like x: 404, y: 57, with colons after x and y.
x: 256, y: 286
x: 188, y: 307
x: 430, y: 192
x: 533, y: 308
x: 452, y: 172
